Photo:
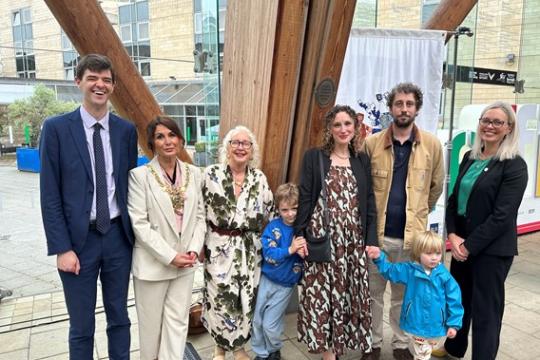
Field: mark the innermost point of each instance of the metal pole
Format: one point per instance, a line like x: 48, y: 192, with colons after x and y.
x: 450, y: 134
x: 457, y: 33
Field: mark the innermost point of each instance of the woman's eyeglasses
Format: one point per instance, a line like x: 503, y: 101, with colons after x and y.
x: 496, y: 123
x: 243, y: 144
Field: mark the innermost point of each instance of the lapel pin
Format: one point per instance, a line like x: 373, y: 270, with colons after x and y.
x: 486, y: 169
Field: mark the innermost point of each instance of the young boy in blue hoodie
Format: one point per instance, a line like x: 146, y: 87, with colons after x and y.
x: 281, y: 269
x: 432, y: 302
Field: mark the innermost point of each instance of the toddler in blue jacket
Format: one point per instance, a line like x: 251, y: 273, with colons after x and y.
x: 432, y: 302
x: 281, y: 269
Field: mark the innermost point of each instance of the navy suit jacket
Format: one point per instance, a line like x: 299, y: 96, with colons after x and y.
x: 66, y: 179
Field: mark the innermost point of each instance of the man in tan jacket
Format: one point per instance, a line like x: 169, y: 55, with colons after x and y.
x: 408, y: 175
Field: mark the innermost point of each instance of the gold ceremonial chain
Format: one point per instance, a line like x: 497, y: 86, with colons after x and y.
x: 177, y: 194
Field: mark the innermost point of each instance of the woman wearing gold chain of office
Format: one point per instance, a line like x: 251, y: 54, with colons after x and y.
x: 167, y: 214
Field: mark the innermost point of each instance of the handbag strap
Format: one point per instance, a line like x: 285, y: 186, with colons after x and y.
x: 323, y: 192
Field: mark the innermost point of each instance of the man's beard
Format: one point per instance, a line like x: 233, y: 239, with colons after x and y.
x: 404, y: 123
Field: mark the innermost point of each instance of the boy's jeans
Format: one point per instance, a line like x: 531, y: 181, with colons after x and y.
x: 267, y: 327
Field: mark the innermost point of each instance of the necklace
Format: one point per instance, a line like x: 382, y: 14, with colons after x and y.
x: 341, y: 156
x: 176, y: 194
x: 236, y: 182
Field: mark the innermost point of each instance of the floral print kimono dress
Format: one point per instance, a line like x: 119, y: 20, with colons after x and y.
x: 233, y: 261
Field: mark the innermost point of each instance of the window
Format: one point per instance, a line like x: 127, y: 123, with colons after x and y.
x: 23, y: 42
x: 194, y: 123
x: 70, y: 57
x: 205, y: 25
x: 428, y: 7
x: 125, y: 33
x: 135, y: 33
x: 222, y: 17
x: 143, y: 31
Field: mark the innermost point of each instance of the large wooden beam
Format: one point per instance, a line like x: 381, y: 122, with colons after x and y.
x: 247, y: 65
x: 292, y: 18
x: 263, y: 49
x: 327, y: 35
x: 449, y: 14
x: 89, y: 30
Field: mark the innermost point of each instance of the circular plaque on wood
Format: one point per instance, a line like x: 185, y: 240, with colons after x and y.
x: 325, y: 92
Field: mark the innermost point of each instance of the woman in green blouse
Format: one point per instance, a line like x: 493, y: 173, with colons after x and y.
x: 481, y: 224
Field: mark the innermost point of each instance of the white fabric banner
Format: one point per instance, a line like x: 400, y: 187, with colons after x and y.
x: 378, y: 59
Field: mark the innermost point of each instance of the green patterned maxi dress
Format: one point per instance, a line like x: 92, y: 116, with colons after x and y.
x: 232, y: 264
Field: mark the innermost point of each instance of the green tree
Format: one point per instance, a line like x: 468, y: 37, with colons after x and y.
x: 3, y: 119
x: 33, y: 110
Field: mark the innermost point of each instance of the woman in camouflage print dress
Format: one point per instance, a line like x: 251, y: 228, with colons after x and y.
x: 334, y: 312
x: 238, y: 203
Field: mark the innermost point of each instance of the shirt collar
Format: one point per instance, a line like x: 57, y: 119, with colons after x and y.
x: 89, y: 121
x: 389, y: 136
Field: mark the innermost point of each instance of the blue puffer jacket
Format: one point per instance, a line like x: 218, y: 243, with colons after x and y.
x: 432, y: 303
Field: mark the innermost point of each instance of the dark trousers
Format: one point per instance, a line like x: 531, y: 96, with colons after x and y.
x: 109, y: 257
x: 481, y: 279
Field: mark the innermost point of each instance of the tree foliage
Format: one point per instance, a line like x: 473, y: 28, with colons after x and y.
x: 35, y: 109
x: 3, y: 119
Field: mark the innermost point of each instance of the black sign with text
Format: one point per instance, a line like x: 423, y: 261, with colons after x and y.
x: 485, y: 76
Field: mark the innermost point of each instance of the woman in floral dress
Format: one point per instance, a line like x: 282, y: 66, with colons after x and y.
x: 334, y: 312
x: 238, y: 203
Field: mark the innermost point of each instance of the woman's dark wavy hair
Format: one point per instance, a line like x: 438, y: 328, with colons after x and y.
x: 328, y: 140
x: 168, y: 123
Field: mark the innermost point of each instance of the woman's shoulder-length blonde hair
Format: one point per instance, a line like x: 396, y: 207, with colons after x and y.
x: 509, y: 147
x: 255, y: 153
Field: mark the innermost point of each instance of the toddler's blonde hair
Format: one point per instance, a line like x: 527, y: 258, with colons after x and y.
x: 426, y: 242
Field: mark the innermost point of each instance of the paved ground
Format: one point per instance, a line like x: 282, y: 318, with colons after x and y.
x: 33, y: 322
x: 24, y: 266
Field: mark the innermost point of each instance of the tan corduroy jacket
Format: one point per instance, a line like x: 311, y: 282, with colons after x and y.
x: 425, y: 178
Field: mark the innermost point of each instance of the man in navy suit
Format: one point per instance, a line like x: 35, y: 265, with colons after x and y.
x: 85, y: 159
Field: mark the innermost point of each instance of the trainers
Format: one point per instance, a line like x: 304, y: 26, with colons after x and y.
x: 375, y: 354
x: 402, y: 354
x: 440, y: 352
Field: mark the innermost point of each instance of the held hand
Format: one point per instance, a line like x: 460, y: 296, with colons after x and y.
x: 68, y: 262
x: 458, y: 252
x: 302, y: 253
x: 451, y: 333
x: 183, y: 260
x: 193, y: 255
x: 373, y: 252
x: 297, y: 244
